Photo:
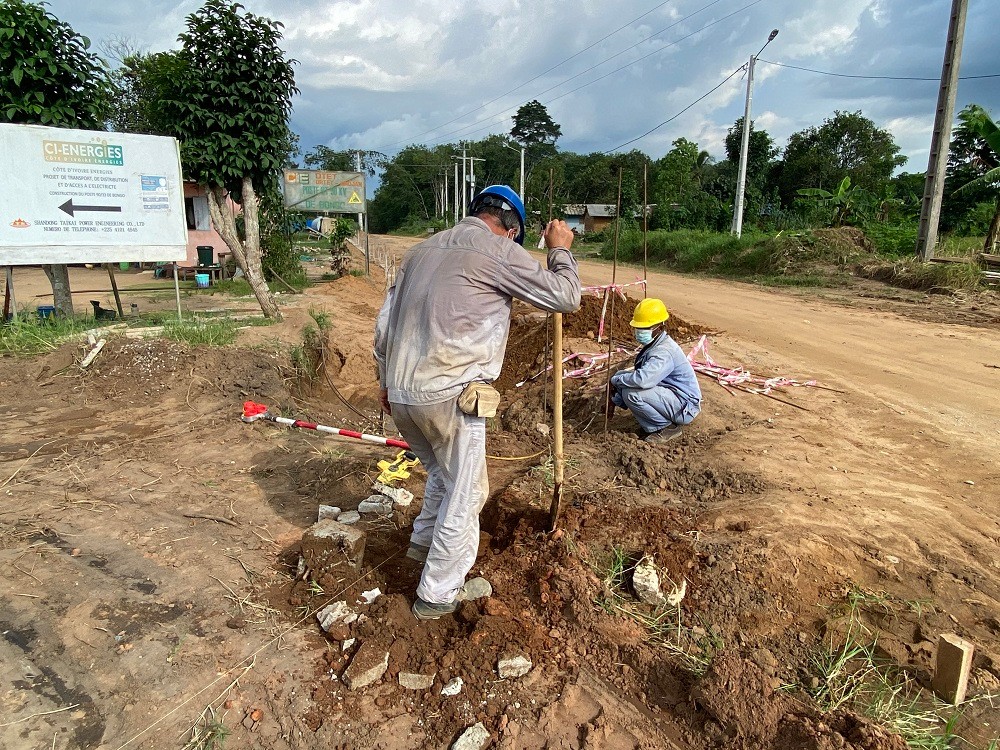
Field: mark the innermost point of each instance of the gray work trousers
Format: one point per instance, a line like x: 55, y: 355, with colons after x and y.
x: 452, y: 447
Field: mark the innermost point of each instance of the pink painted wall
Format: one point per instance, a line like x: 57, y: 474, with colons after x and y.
x: 200, y: 229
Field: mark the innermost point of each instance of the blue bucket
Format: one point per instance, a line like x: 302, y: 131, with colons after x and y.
x: 46, y: 311
x: 201, y: 280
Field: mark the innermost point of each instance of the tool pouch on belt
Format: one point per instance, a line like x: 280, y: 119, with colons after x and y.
x: 479, y: 400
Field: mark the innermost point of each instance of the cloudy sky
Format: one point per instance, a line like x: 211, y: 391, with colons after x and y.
x: 380, y: 74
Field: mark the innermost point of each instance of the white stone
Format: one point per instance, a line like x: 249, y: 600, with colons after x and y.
x: 510, y: 667
x: 349, y: 517
x: 454, y: 687
x: 344, y: 645
x: 414, y: 681
x: 372, y: 595
x: 542, y: 429
x: 646, y: 582
x: 328, y: 511
x: 376, y: 504
x: 399, y: 495
x: 475, y: 588
x: 366, y: 668
x: 338, y: 612
x: 473, y: 738
x: 676, y: 596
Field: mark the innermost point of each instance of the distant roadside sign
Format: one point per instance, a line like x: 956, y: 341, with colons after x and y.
x: 84, y: 196
x: 321, y: 191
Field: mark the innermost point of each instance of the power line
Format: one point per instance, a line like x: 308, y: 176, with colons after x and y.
x: 535, y: 78
x: 872, y: 78
x: 674, y: 117
x: 600, y: 78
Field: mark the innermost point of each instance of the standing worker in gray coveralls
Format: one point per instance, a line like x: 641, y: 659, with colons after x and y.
x: 662, y: 390
x: 439, y: 342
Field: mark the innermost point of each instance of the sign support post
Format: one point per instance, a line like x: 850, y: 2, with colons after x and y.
x: 177, y: 291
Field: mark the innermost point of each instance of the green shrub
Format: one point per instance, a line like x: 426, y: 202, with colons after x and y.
x: 893, y: 240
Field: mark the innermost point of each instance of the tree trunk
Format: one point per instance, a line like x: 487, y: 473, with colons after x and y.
x: 248, y: 256
x: 62, y: 296
x: 254, y: 254
x: 993, y: 235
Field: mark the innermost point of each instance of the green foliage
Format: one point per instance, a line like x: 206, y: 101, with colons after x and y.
x: 143, y: 83
x: 535, y: 128
x: 324, y: 157
x: 309, y: 357
x: 50, y: 77
x: 846, y: 145
x: 235, y: 97
x: 912, y: 273
x: 26, y: 334
x: 342, y: 229
x: 894, y: 240
x: 842, y: 201
x: 201, y: 332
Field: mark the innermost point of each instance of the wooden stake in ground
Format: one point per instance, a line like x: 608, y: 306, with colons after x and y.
x: 645, y: 228
x: 557, y: 426
x: 613, y: 292
x: 114, y: 288
x: 548, y: 321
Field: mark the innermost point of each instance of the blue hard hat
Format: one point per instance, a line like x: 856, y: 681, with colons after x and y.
x: 503, y: 197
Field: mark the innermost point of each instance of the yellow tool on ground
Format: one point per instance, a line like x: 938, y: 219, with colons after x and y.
x: 398, y: 468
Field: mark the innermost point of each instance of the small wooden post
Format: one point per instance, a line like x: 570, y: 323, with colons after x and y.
x: 557, y: 420
x: 613, y: 293
x: 114, y: 288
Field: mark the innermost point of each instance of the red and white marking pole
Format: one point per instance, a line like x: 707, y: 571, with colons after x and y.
x: 252, y: 412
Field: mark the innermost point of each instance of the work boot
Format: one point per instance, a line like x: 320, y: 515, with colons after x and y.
x: 418, y: 552
x: 663, y: 436
x: 475, y: 588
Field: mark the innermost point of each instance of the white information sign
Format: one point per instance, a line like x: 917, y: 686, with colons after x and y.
x: 82, y: 196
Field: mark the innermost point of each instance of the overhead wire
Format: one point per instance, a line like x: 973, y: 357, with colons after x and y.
x: 701, y: 98
x: 871, y: 78
x: 535, y: 78
x: 466, y: 128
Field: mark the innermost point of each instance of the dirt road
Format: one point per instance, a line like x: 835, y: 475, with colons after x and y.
x: 148, y: 541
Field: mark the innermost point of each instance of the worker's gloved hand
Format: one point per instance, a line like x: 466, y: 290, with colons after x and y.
x: 558, y: 234
x: 383, y: 397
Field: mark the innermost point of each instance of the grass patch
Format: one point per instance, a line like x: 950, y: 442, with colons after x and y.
x: 26, y: 336
x: 912, y: 273
x: 853, y: 676
x: 309, y: 357
x: 201, y: 332
x: 232, y: 287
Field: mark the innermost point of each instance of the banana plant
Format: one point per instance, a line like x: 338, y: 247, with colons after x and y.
x: 977, y: 120
x: 842, y: 200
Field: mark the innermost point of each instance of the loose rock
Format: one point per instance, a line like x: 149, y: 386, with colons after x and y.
x: 376, y: 504
x: 473, y: 738
x: 349, y: 517
x: 399, y: 495
x: 367, y: 666
x: 414, y: 681
x: 510, y: 667
x: 646, y: 582
x: 328, y: 512
x: 454, y: 687
x: 336, y: 614
x: 476, y: 588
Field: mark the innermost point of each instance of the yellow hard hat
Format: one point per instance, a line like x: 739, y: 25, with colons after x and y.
x: 648, y: 313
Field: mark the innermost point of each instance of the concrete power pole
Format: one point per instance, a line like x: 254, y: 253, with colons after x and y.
x: 937, y: 165
x: 741, y: 179
x: 465, y: 187
x: 456, y: 192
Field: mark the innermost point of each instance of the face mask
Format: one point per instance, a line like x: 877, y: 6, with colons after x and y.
x: 644, y: 336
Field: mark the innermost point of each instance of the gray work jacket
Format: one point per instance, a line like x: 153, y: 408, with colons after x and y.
x: 445, y: 321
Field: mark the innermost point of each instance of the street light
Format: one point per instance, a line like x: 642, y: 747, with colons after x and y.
x: 741, y: 180
x: 522, y: 166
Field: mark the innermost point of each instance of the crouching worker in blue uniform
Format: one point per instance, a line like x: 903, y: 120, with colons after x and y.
x: 662, y: 390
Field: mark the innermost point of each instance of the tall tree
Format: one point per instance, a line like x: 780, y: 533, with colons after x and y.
x: 678, y: 192
x: 761, y: 153
x: 845, y: 145
x: 969, y: 159
x: 231, y: 115
x: 50, y: 78
x: 326, y: 158
x: 537, y: 131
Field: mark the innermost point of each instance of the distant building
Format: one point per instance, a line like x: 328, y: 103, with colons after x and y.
x: 597, y: 216
x: 199, y: 224
x: 573, y: 216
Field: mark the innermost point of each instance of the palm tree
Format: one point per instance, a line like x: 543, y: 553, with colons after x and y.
x: 978, y: 121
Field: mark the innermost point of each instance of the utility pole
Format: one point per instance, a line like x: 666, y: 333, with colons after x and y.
x: 465, y: 187
x: 472, y: 174
x: 937, y: 164
x: 456, y: 189
x: 741, y: 179
x: 444, y: 208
